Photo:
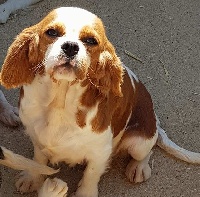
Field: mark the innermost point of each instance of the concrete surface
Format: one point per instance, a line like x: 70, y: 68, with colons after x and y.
x: 165, y: 36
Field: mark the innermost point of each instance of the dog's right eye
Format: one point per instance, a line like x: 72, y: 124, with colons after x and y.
x: 52, y: 33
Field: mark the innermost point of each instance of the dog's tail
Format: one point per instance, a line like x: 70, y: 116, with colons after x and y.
x: 170, y: 147
x: 18, y: 162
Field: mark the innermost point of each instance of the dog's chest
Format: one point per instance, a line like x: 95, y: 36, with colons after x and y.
x: 48, y: 112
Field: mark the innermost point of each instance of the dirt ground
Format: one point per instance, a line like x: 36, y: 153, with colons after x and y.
x: 163, y: 37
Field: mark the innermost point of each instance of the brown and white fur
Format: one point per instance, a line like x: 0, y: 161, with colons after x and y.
x: 79, y: 102
x: 50, y: 188
x: 11, y: 6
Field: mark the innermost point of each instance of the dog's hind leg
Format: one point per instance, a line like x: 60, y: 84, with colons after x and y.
x: 138, y: 169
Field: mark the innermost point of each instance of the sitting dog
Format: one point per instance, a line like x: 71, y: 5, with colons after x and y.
x: 11, y: 6
x: 79, y: 103
x: 50, y: 188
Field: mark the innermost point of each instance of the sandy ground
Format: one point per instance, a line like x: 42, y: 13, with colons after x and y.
x: 164, y: 35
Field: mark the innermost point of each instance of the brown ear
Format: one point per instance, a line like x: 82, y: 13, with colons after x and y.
x: 18, y: 67
x: 113, y: 76
x: 107, y: 74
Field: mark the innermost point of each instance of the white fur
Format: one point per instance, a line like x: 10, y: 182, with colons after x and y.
x: 170, y: 147
x: 131, y: 73
x: 85, y: 18
x: 53, y: 188
x: 19, y: 162
x: 138, y: 147
x: 11, y: 6
x: 139, y: 171
x: 56, y: 132
x: 53, y: 58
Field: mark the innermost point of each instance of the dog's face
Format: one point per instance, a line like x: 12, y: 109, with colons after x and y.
x: 70, y: 44
x: 78, y: 36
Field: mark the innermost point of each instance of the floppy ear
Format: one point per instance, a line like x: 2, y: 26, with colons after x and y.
x: 18, y: 67
x: 107, y: 75
x: 113, y: 76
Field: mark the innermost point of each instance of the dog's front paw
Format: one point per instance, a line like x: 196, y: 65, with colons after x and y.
x: 138, y: 171
x: 28, y: 182
x: 53, y: 188
x: 4, y: 13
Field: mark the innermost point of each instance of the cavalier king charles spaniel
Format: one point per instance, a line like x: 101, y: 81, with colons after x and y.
x: 80, y: 103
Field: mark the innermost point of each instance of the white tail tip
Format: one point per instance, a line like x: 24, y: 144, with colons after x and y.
x: 18, y: 162
x: 170, y: 147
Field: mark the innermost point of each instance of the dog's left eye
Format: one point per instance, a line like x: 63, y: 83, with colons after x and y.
x: 90, y: 41
x: 52, y: 33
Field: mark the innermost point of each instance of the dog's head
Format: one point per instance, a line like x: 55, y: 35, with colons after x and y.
x: 70, y: 44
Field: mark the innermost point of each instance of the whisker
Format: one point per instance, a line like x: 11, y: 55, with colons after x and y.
x: 37, y: 68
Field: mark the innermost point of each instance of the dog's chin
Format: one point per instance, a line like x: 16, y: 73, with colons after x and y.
x: 70, y: 70
x: 65, y: 71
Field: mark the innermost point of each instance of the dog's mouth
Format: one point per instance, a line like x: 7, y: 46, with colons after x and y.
x: 66, y: 66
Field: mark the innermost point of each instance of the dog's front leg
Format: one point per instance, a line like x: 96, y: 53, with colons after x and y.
x: 97, y: 162
x: 29, y: 180
x: 88, y: 186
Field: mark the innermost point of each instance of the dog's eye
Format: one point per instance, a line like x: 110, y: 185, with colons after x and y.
x: 90, y: 41
x: 52, y: 33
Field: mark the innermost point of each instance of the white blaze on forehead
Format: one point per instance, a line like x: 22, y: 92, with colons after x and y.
x: 74, y: 19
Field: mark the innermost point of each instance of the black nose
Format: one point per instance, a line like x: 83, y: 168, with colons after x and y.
x: 70, y: 48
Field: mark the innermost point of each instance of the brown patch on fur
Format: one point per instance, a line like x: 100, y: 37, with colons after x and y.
x: 104, y: 91
x: 125, y: 106
x: 81, y: 118
x: 106, y: 109
x: 106, y: 73
x: 26, y: 54
x: 143, y: 121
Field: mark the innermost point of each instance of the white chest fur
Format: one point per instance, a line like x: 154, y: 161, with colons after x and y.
x: 48, y: 111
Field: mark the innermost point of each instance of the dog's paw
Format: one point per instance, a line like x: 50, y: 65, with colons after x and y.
x: 53, y: 188
x: 28, y: 183
x: 4, y: 13
x: 138, y: 171
x: 9, y: 115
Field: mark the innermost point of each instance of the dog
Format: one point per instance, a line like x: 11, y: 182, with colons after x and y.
x: 50, y: 188
x: 9, y: 115
x: 11, y: 6
x: 80, y: 103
